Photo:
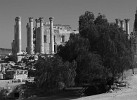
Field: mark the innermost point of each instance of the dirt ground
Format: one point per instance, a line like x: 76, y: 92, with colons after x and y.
x: 127, y: 93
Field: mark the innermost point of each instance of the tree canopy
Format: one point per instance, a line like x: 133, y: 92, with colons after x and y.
x: 99, y: 53
x: 100, y: 49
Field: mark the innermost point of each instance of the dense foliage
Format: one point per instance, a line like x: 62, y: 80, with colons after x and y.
x: 99, y: 54
x: 53, y: 73
x: 101, y: 49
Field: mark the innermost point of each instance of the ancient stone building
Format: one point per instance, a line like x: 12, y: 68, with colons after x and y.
x: 42, y: 37
x: 47, y: 36
x: 123, y: 24
x: 60, y: 35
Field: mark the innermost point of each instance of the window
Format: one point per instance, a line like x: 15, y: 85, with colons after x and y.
x: 55, y: 48
x: 21, y: 72
x: 45, y: 38
x: 62, y: 38
x: 25, y: 72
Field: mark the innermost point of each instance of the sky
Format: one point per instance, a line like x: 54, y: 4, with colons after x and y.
x: 64, y: 12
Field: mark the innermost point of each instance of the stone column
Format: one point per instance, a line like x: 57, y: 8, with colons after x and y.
x: 18, y: 34
x: 41, y: 36
x: 30, y: 36
x: 127, y: 26
x: 118, y: 22
x: 15, y: 39
x: 37, y: 40
x: 27, y: 28
x: 122, y: 24
x: 51, y: 36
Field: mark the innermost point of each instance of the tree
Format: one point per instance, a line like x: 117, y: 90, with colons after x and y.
x: 88, y: 64
x: 74, y: 47
x: 52, y: 72
x: 90, y: 67
x: 102, y: 50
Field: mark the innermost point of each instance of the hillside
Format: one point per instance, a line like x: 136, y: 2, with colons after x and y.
x: 5, y: 51
x: 125, y: 93
x: 128, y: 93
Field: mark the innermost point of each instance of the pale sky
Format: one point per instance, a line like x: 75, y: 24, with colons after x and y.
x: 63, y: 11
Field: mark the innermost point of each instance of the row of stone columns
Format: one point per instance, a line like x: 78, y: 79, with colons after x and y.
x: 39, y: 36
x: 16, y: 44
x: 120, y: 23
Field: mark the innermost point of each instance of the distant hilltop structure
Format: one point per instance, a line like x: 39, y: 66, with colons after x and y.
x: 42, y: 38
x: 123, y: 24
x: 133, y: 37
x: 45, y: 37
x: 4, y: 51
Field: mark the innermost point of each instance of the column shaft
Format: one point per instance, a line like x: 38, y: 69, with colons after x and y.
x: 41, y: 36
x: 51, y: 36
x: 15, y: 39
x: 18, y: 34
x: 122, y: 24
x: 27, y: 28
x: 37, y: 40
x: 118, y: 22
x: 30, y: 36
x: 127, y: 26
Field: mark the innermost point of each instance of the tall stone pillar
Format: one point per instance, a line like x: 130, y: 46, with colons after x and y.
x: 41, y: 36
x: 118, y: 22
x: 127, y: 26
x: 122, y: 24
x: 37, y: 39
x: 18, y: 35
x: 51, y: 36
x: 27, y: 28
x: 30, y: 37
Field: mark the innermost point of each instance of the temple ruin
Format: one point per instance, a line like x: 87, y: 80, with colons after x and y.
x: 45, y: 37
x: 124, y: 26
x: 42, y: 38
